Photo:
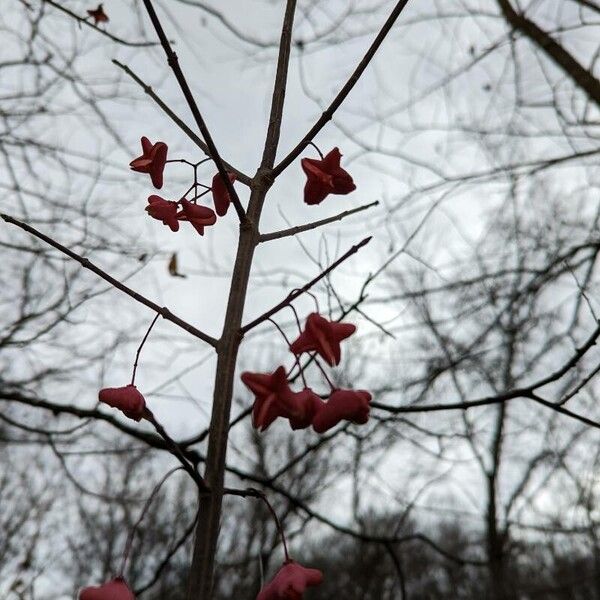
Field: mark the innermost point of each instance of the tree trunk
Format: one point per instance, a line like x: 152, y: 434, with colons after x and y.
x: 207, y: 528
x: 498, y: 581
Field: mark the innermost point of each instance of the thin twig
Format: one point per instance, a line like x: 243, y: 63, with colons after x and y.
x: 279, y: 87
x: 104, y: 32
x: 131, y: 535
x: 276, y: 235
x: 580, y: 385
x: 229, y: 25
x: 150, y: 439
x: 167, y: 558
x: 554, y: 50
x: 163, y: 311
x: 359, y: 535
x: 255, y: 493
x: 137, y: 354
x: 298, y: 292
x: 564, y: 411
x: 522, y: 392
x: 156, y: 442
x: 399, y: 570
x: 176, y: 450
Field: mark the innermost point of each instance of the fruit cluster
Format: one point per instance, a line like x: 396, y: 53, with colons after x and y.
x: 274, y: 398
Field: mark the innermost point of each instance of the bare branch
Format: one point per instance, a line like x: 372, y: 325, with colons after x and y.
x: 164, y: 312
x: 298, y: 292
x: 555, y: 51
x: 177, y: 451
x: 228, y: 24
x: 185, y: 88
x: 276, y: 235
x: 241, y: 177
x: 279, y: 87
x: 167, y: 558
x: 522, y: 392
x: 337, y: 101
x: 100, y: 30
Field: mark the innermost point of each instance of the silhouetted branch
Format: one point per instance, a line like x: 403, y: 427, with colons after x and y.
x: 87, y: 264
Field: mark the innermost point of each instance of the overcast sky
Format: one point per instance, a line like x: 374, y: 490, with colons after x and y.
x: 232, y: 81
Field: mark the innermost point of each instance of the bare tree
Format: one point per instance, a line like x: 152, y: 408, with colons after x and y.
x: 504, y: 322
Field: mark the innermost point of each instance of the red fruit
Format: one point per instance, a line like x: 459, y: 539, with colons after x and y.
x: 349, y: 405
x: 290, y: 582
x: 152, y: 161
x: 127, y: 399
x: 308, y: 405
x: 98, y: 14
x: 274, y: 398
x: 199, y: 216
x: 324, y: 337
x: 117, y: 589
x: 163, y: 210
x: 220, y: 194
x: 324, y: 177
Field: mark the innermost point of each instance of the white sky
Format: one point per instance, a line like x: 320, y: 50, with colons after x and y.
x: 232, y: 82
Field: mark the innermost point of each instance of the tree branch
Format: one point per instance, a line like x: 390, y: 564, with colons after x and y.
x: 176, y: 451
x: 167, y: 558
x: 155, y: 441
x: 582, y: 78
x: 359, y: 535
x: 150, y: 439
x: 163, y: 311
x: 238, y: 33
x: 276, y: 235
x: 241, y: 177
x: 343, y: 93
x: 104, y: 32
x: 279, y: 87
x: 522, y: 392
x: 298, y: 292
x: 185, y: 88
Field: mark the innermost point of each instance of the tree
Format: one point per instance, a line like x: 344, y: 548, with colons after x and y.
x: 211, y: 486
x: 512, y: 314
